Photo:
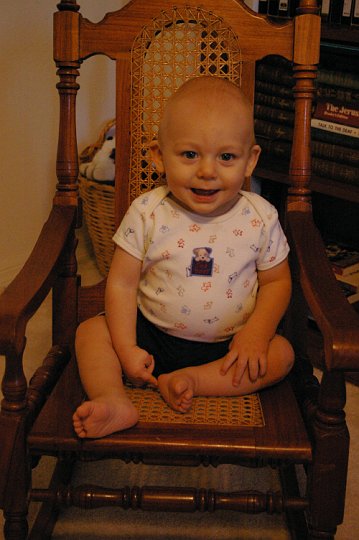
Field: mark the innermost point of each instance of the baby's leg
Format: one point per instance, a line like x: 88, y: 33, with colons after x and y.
x: 179, y: 387
x: 109, y: 409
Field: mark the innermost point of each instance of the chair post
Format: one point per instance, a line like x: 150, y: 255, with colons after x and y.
x: 306, y: 58
x: 66, y: 56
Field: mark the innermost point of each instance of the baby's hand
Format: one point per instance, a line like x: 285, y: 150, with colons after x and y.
x: 246, y: 351
x: 138, y: 367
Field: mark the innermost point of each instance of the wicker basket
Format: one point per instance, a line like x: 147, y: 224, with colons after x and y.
x: 98, y: 200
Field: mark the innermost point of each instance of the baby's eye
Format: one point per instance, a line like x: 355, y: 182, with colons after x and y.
x: 226, y: 156
x: 190, y: 154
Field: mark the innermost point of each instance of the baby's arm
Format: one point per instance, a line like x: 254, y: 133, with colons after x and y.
x: 249, y: 346
x: 121, y: 314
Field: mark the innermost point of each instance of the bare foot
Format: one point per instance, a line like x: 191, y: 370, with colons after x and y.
x: 102, y: 416
x: 177, y: 389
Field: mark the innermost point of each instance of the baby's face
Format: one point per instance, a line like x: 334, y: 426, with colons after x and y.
x: 206, y: 153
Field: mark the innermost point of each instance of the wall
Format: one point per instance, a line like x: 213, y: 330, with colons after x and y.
x: 29, y: 119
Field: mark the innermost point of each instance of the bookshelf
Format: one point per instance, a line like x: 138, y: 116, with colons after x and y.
x: 339, y: 46
x: 335, y: 201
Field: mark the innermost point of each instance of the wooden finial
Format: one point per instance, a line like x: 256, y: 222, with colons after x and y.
x: 68, y: 5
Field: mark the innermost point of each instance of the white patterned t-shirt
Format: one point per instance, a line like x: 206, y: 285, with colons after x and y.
x: 199, y: 274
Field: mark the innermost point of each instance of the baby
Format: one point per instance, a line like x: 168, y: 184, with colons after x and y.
x: 199, y: 279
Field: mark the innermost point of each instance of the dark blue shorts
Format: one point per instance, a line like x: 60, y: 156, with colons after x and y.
x: 172, y: 353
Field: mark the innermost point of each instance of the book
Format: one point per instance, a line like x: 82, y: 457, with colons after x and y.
x: 324, y: 91
x: 262, y: 6
x: 336, y: 171
x: 324, y: 10
x: 278, y: 116
x: 271, y: 88
x: 272, y: 100
x: 335, y: 127
x: 338, y: 78
x: 350, y: 295
x: 344, y: 260
x: 351, y: 280
x: 275, y: 73
x: 253, y: 4
x: 272, y: 131
x: 335, y: 12
x: 336, y: 111
x: 334, y: 144
x: 347, y: 12
x: 335, y: 152
x: 340, y: 172
x: 346, y: 95
x: 273, y: 6
x: 332, y: 137
x: 355, y: 18
x: 282, y: 148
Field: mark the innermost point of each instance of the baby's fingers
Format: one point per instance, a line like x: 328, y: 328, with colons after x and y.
x: 240, y: 368
x: 150, y: 366
x: 152, y: 381
x: 228, y: 361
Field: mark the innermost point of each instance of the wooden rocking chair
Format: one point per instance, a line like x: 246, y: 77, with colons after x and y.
x: 156, y: 46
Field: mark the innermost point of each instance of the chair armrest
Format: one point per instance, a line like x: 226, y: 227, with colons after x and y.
x: 24, y: 295
x: 335, y: 317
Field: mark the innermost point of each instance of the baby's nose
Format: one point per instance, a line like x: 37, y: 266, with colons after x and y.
x: 207, y: 168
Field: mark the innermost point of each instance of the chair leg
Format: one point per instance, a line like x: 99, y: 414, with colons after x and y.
x: 296, y: 521
x: 17, y: 482
x: 15, y: 527
x: 47, y: 516
x: 16, y: 504
x: 328, y: 473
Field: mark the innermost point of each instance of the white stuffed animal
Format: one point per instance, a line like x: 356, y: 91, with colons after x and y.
x: 102, y: 166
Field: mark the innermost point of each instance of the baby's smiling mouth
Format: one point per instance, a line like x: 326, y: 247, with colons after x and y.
x: 204, y: 192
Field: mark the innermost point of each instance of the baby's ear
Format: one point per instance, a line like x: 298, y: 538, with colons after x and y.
x: 252, y: 160
x: 156, y: 156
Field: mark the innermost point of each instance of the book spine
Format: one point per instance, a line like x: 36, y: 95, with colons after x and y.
x: 321, y: 167
x: 337, y: 112
x: 335, y: 171
x: 334, y: 138
x: 281, y: 149
x: 346, y: 13
x: 263, y: 6
x: 347, y: 95
x: 334, y: 152
x: 276, y: 74
x: 273, y: 7
x: 278, y: 116
x: 341, y: 94
x: 270, y: 100
x: 335, y: 12
x: 355, y: 18
x: 325, y: 10
x: 345, y: 272
x: 344, y: 279
x: 286, y: 8
x: 253, y: 4
x: 269, y: 88
x: 335, y: 127
x: 273, y: 131
x: 338, y: 78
